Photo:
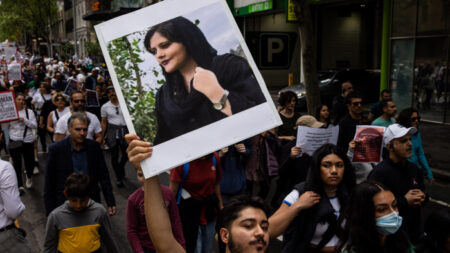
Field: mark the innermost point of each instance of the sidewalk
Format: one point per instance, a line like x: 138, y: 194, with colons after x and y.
x: 436, y: 143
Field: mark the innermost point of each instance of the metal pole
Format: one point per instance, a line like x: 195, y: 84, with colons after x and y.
x: 75, y: 39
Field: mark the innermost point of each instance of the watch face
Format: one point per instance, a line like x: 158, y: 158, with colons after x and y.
x: 218, y: 106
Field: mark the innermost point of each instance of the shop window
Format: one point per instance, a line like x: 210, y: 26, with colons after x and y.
x: 430, y: 70
x: 404, y: 18
x: 433, y: 17
x: 402, y: 64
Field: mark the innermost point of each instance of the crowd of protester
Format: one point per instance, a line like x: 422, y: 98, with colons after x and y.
x: 321, y: 203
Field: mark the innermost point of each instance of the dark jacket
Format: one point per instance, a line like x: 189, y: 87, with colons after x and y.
x: 292, y: 171
x: 400, y: 179
x: 301, y: 230
x: 347, y: 130
x: 59, y: 167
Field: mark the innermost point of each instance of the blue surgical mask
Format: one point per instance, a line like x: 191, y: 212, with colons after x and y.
x: 389, y: 224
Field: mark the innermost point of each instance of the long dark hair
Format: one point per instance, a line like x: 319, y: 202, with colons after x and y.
x: 183, y: 31
x: 314, y: 180
x: 360, y: 232
x: 318, y: 109
x: 404, y: 118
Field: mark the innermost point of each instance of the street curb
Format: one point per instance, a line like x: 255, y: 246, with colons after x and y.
x: 441, y: 174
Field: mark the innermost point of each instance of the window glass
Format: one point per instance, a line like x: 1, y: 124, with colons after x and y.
x: 430, y: 77
x: 404, y: 18
x: 402, y: 72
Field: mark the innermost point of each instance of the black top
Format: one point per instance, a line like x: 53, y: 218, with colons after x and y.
x: 179, y: 112
x: 287, y: 129
x: 347, y: 130
x: 298, y: 235
x: 339, y: 108
x: 400, y: 179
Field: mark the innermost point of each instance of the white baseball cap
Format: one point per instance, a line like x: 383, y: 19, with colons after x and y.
x: 395, y: 131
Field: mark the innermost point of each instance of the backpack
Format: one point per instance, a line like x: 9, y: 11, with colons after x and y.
x: 185, y: 173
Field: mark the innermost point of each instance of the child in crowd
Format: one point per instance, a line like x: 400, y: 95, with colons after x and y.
x: 136, y: 226
x: 80, y: 224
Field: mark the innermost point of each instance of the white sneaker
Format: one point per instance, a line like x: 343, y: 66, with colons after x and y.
x: 21, y: 190
x: 29, y: 183
x: 36, y: 170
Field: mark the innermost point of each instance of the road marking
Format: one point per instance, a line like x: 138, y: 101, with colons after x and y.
x: 439, y: 202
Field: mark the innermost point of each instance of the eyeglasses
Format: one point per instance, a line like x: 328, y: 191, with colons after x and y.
x: 59, y: 99
x: 414, y: 119
x: 117, y: 110
x: 356, y: 103
x: 79, y: 101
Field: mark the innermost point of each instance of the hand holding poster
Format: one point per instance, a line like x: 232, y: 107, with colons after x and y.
x: 8, y: 111
x: 185, y: 116
x: 369, y: 144
x: 311, y: 139
x: 14, y: 72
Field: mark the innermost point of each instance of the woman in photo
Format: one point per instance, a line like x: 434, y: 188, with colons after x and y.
x: 201, y: 87
x: 372, y: 222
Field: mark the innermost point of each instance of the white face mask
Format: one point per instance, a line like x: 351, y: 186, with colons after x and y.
x: 389, y: 224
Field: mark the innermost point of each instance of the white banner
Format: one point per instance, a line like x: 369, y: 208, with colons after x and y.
x: 8, y: 111
x: 14, y: 72
x: 9, y: 52
x: 311, y: 139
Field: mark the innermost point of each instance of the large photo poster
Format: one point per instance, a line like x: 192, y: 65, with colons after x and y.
x: 185, y: 80
x: 369, y: 144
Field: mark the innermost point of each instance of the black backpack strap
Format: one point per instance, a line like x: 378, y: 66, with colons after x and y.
x: 56, y: 114
x: 26, y: 127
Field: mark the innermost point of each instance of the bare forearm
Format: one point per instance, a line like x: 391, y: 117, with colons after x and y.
x: 281, y: 219
x: 157, y: 218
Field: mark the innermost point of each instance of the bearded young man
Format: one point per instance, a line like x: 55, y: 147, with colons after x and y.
x: 242, y: 225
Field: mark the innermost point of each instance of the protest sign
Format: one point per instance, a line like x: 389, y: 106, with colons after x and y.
x: 71, y: 87
x: 369, y: 144
x: 311, y: 139
x: 9, y: 52
x: 182, y: 119
x: 14, y: 72
x: 8, y: 111
x: 92, y: 98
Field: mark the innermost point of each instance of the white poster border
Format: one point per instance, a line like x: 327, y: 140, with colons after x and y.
x: 205, y: 139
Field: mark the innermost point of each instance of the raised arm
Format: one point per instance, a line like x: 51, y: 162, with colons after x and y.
x: 156, y: 214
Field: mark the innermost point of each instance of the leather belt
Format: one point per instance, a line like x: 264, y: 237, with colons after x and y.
x: 10, y: 226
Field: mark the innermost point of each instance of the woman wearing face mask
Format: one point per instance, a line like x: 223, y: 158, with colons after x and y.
x: 373, y: 223
x: 200, y: 87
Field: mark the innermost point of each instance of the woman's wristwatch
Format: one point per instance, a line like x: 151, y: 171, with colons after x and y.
x: 222, y: 102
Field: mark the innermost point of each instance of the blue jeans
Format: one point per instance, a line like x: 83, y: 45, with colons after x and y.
x: 205, y: 237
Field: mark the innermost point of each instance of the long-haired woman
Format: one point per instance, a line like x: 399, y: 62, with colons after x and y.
x: 313, y: 209
x: 372, y: 222
x: 21, y: 141
x: 201, y: 87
